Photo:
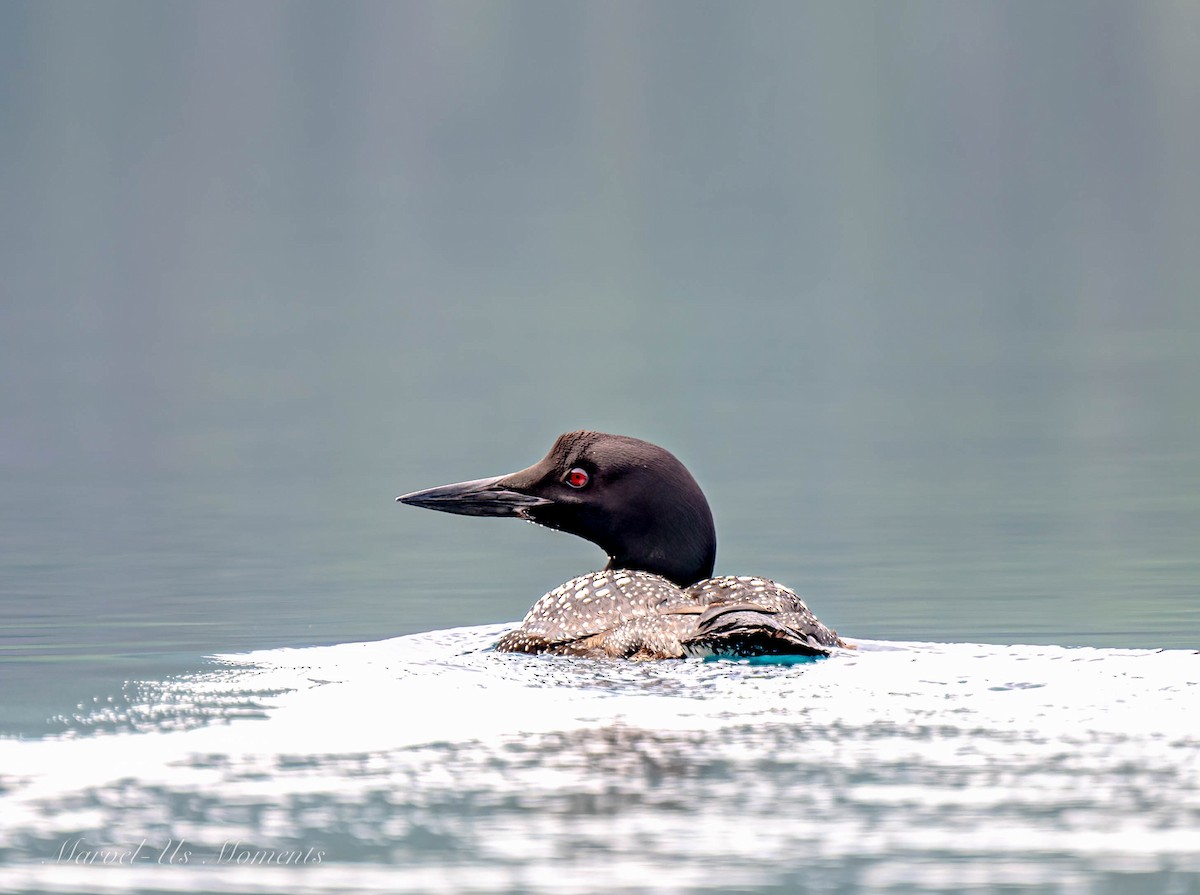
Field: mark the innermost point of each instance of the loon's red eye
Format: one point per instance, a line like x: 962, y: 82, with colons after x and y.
x: 577, y: 477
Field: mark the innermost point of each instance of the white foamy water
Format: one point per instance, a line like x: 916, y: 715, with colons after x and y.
x: 430, y: 764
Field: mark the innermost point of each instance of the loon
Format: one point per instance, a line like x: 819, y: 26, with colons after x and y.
x: 656, y: 598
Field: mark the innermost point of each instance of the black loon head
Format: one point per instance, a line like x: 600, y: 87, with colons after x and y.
x: 633, y: 499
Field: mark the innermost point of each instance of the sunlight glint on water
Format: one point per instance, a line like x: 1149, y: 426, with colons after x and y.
x: 430, y: 763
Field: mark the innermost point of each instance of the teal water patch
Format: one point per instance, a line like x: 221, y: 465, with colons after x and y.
x: 766, y: 660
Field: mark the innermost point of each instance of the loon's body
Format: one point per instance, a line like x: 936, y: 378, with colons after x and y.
x: 656, y: 598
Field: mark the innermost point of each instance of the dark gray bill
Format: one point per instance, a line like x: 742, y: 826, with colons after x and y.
x: 482, y: 497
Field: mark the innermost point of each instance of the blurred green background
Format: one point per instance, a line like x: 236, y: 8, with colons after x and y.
x: 912, y: 288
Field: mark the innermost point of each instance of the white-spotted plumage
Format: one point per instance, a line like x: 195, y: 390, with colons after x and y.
x: 638, y: 615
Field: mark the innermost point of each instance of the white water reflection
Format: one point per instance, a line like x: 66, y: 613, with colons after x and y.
x: 430, y: 764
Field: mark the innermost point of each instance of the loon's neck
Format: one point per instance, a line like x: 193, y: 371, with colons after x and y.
x: 683, y: 559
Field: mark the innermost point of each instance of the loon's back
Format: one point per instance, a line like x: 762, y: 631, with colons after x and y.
x: 621, y: 614
x: 656, y: 598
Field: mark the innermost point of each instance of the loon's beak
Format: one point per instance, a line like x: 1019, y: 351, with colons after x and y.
x: 482, y: 497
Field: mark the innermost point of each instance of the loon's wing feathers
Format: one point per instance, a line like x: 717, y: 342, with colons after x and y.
x: 711, y: 612
x: 618, y: 613
x: 770, y: 595
x: 756, y: 616
x: 753, y: 631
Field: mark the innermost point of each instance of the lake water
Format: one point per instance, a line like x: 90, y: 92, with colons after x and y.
x: 912, y: 290
x: 429, y: 763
